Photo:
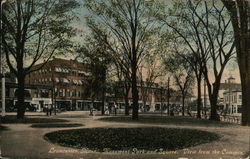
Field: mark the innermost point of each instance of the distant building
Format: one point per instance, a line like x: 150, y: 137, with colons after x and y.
x: 229, y: 84
x: 233, y: 101
x: 67, y: 78
x: 232, y: 96
x: 30, y: 101
x: 61, y: 83
x: 156, y: 100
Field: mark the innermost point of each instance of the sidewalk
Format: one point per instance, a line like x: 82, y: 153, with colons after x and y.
x: 21, y: 141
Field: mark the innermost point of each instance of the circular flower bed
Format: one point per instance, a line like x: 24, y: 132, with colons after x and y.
x: 127, y: 139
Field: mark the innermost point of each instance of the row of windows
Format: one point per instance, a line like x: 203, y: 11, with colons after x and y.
x: 68, y: 93
x: 64, y: 71
x: 60, y: 80
x: 233, y: 98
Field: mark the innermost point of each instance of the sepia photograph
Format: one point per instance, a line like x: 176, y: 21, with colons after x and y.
x: 125, y: 79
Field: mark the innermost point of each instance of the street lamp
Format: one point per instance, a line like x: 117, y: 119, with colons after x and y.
x: 168, y: 96
x: 1, y: 65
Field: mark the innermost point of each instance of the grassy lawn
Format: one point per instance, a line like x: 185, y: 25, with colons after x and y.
x: 55, y: 125
x: 177, y: 120
x: 27, y: 120
x: 126, y: 139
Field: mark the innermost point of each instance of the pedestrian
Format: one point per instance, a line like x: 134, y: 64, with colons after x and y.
x: 50, y: 110
x: 106, y: 110
x: 91, y: 112
x: 116, y: 108
x: 47, y: 110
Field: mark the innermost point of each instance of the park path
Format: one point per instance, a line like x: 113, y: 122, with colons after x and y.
x: 21, y: 141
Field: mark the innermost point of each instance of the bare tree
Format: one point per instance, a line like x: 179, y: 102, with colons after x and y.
x: 150, y: 71
x: 96, y: 56
x: 182, y: 74
x: 125, y: 27
x: 34, y: 30
x: 208, y: 38
x: 240, y: 14
x: 124, y: 83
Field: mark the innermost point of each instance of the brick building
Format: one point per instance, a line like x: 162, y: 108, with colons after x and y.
x: 62, y: 83
x: 66, y: 77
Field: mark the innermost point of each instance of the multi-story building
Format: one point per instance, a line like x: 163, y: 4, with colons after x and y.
x: 66, y: 77
x: 228, y: 84
x: 233, y: 101
x: 232, y: 96
x: 32, y: 103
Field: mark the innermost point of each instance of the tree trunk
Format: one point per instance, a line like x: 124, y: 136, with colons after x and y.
x: 245, y: 84
x: 243, y: 54
x: 93, y: 103
x: 103, y: 101
x: 183, y: 105
x: 213, y: 102
x: 126, y: 103
x: 144, y: 104
x: 245, y: 101
x: 134, y: 89
x: 239, y: 12
x: 20, y: 97
x: 199, y: 98
x: 103, y: 74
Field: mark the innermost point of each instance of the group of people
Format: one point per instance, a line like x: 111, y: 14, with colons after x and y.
x: 108, y: 109
x: 48, y: 110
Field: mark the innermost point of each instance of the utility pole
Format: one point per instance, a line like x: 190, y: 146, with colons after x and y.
x: 53, y: 92
x: 161, y: 99
x: 1, y: 59
x: 168, y: 96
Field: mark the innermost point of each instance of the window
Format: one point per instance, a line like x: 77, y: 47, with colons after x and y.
x: 57, y: 80
x: 63, y: 92
x: 65, y: 80
x: 68, y: 92
x: 240, y: 96
x: 80, y: 82
x: 56, y: 92
x: 73, y: 93
x: 75, y: 82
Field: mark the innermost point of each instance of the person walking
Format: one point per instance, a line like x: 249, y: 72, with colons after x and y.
x: 47, y: 110
x: 50, y: 110
x: 116, y: 107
